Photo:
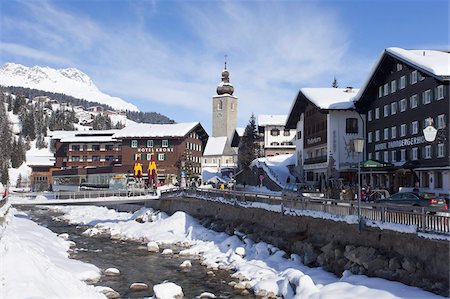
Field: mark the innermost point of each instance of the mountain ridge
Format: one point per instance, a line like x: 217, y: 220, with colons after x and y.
x: 68, y: 81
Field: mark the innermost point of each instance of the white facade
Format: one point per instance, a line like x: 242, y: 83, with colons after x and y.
x: 276, y: 139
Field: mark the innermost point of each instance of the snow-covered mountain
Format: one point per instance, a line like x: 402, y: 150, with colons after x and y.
x: 71, y: 81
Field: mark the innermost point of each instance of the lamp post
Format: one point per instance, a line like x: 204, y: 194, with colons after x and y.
x: 359, y: 148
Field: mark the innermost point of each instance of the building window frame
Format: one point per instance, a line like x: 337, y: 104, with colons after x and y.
x: 369, y: 115
x: 386, y: 110
x: 413, y: 101
x: 165, y: 143
x: 402, y: 82
x: 393, y: 108
x: 439, y: 92
x: 386, y: 134
x: 393, y: 86
x: 134, y: 143
x: 415, y: 153
x: 440, y: 121
x: 413, y: 77
x: 377, y: 113
x: 403, y: 155
x: 414, y: 127
x: 440, y: 150
x: 403, y: 105
x: 150, y: 143
x: 351, y: 125
x: 369, y: 137
x: 427, y: 152
x: 161, y: 157
x: 426, y: 97
x: 393, y: 132
x: 377, y: 135
x: 274, y: 132
x: 402, y: 130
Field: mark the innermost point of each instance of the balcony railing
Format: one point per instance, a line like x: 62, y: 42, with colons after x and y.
x: 315, y: 160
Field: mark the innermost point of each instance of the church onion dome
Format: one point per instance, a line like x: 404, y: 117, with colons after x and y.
x: 225, y: 87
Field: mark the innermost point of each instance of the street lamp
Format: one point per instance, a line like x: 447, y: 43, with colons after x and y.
x: 359, y: 148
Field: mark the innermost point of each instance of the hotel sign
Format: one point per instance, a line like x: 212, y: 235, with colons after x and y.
x: 399, y: 143
x: 155, y: 150
x: 313, y: 140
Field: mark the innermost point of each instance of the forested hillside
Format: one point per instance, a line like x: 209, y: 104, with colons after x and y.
x: 144, y: 117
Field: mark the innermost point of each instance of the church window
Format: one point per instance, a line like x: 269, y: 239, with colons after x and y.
x: 220, y: 105
x: 232, y: 106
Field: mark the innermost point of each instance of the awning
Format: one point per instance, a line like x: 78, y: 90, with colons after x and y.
x: 375, y: 164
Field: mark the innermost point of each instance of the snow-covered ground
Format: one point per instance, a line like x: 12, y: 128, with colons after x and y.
x: 262, y: 266
x: 34, y: 263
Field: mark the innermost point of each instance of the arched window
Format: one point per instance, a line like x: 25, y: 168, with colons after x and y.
x: 232, y: 106
x: 219, y: 105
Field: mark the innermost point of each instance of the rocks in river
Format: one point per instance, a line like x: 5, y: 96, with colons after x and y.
x: 112, y: 272
x: 152, y: 247
x: 206, y: 295
x: 64, y: 236
x: 167, y: 251
x: 186, y: 264
x: 108, y: 292
x: 72, y: 243
x: 167, y: 290
x: 138, y: 286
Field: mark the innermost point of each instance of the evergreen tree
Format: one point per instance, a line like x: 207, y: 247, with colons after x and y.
x: 101, y: 122
x: 248, y: 146
x: 9, y: 100
x: 19, y: 104
x: 19, y: 181
x: 28, y: 123
x: 21, y: 150
x: 335, y: 83
x: 5, y: 142
x: 14, y: 155
x: 4, y: 175
x: 62, y: 120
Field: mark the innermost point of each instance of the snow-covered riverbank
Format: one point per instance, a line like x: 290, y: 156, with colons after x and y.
x: 34, y: 263
x: 259, y: 266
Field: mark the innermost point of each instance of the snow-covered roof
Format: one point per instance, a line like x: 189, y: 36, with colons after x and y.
x: 79, y: 133
x: 331, y: 98
x: 215, y: 146
x: 40, y: 160
x: 156, y: 130
x: 435, y: 62
x: 273, y: 120
x: 240, y: 131
x: 88, y: 139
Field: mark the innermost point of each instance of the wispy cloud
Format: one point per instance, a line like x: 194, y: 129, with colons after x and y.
x: 273, y: 51
x: 24, y: 51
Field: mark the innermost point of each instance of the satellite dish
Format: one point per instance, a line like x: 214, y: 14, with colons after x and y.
x: 430, y: 133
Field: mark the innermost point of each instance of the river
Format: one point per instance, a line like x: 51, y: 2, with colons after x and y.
x: 136, y: 264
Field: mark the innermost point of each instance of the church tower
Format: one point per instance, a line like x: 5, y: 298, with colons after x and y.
x: 224, y: 108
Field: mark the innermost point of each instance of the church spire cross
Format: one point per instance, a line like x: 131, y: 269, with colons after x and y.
x: 226, y: 56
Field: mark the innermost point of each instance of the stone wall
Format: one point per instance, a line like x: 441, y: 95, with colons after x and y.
x: 336, y: 246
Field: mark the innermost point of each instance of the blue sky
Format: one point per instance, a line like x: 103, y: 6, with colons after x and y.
x: 167, y: 56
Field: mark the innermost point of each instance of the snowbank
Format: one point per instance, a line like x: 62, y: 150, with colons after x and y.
x: 34, y: 263
x: 264, y: 268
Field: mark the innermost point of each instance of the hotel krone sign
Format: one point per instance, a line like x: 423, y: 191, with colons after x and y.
x: 155, y: 150
x: 400, y: 143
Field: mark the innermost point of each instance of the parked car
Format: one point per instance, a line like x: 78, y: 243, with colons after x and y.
x: 415, y: 199
x: 299, y: 191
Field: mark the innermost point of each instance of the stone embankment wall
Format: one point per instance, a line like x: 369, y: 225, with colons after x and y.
x: 336, y: 246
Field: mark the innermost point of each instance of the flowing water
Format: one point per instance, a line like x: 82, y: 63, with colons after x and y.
x: 136, y: 264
